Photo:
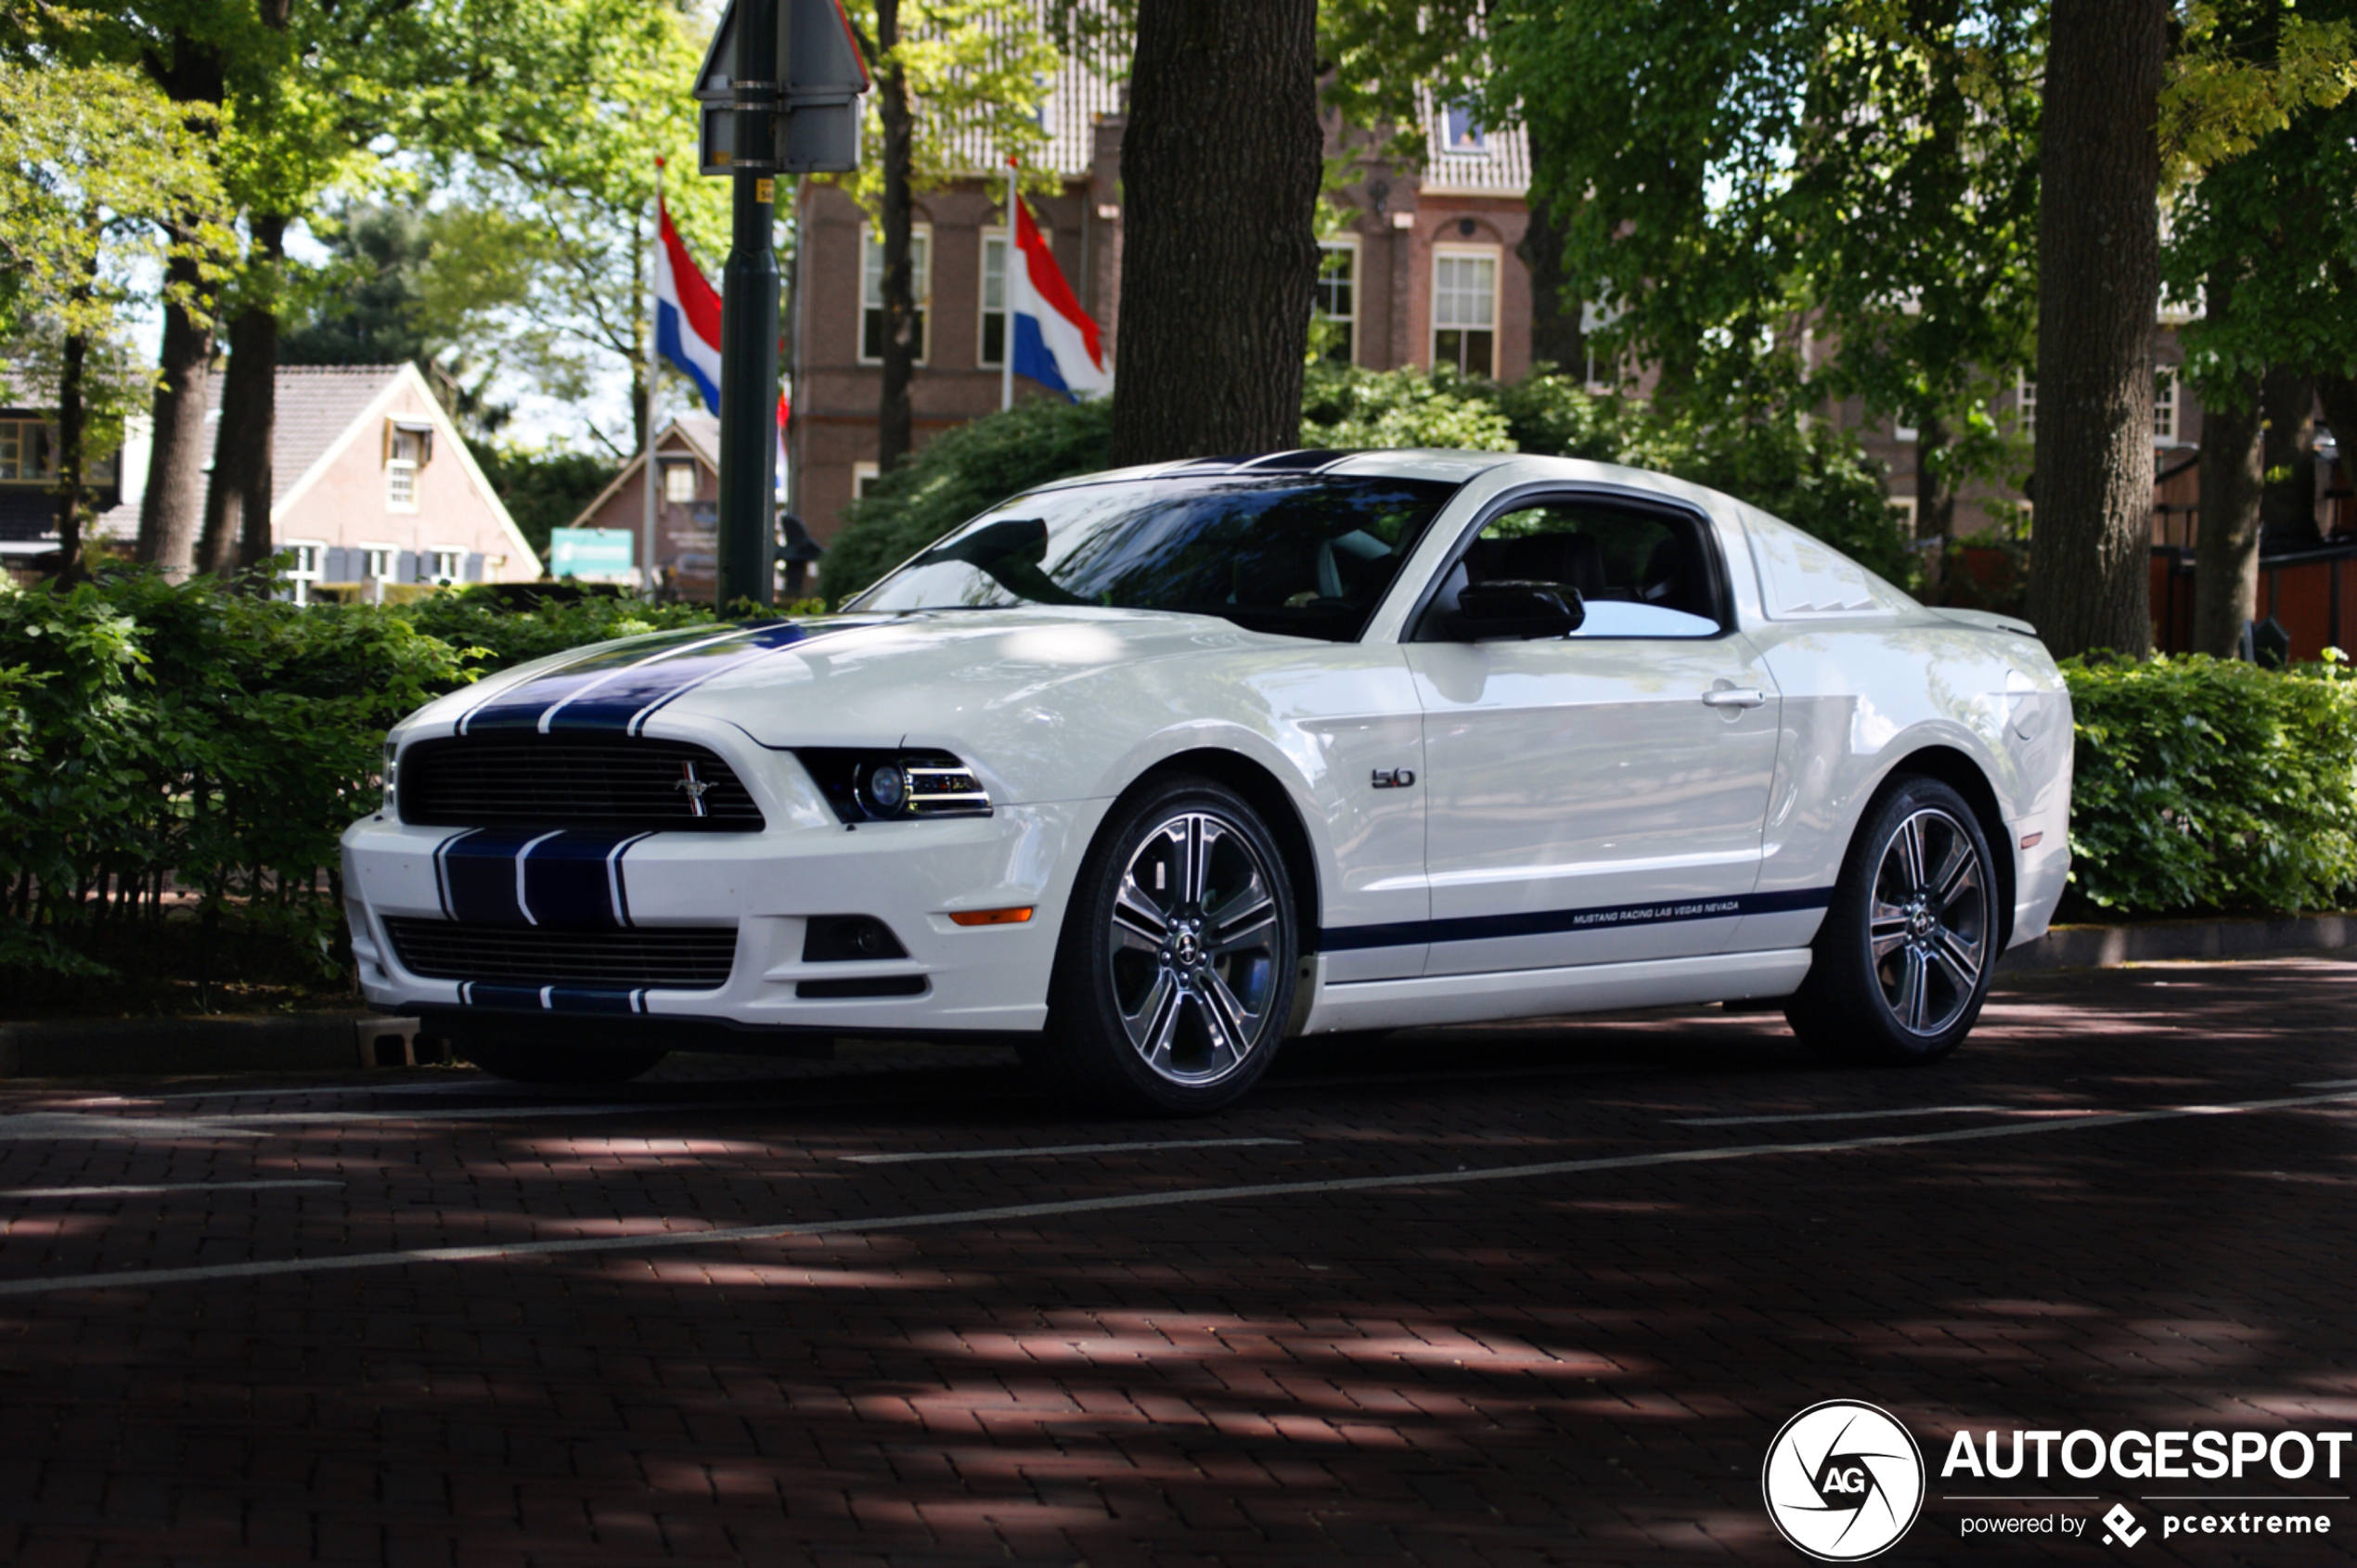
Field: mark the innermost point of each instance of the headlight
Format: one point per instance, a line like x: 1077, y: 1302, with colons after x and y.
x: 894, y: 786
x: 392, y: 769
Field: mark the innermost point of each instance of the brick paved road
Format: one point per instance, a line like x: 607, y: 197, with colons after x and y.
x: 1499, y: 1295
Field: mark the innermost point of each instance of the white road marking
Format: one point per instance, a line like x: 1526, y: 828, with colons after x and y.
x: 1050, y: 1153
x: 135, y: 1191
x: 59, y: 1126
x: 1871, y: 1116
x: 2330, y: 1083
x: 716, y: 1236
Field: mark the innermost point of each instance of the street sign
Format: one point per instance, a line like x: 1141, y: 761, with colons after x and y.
x: 596, y: 554
x: 823, y: 73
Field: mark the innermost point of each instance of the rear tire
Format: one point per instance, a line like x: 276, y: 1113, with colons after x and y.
x: 554, y: 1066
x: 1174, y: 976
x: 1904, y: 957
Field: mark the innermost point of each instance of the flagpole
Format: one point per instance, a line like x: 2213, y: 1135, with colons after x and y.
x: 647, y: 447
x: 1007, y: 298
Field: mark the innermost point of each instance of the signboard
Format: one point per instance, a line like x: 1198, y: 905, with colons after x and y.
x: 594, y: 554
x: 823, y: 74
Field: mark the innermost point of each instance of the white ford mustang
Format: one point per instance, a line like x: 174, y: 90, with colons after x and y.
x: 1150, y: 770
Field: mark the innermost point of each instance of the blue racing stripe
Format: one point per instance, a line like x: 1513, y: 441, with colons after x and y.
x: 620, y: 687
x: 521, y: 707
x: 574, y: 878
x: 1545, y: 922
x: 477, y: 875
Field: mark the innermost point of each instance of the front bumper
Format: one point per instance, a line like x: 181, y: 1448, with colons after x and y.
x: 912, y: 876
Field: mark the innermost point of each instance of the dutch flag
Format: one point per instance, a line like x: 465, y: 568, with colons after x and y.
x: 1056, y: 343
x: 686, y: 315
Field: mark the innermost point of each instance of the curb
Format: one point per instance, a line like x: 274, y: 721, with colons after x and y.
x: 270, y: 1043
x: 2107, y: 947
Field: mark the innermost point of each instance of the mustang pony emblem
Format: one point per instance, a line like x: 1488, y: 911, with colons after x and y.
x: 693, y: 787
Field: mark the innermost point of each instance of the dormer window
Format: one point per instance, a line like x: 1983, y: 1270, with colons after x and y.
x: 1460, y: 133
x: 409, y: 448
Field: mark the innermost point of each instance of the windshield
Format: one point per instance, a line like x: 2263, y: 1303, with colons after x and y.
x: 1300, y: 554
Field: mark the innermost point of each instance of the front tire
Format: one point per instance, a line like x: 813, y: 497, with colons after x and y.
x: 1904, y: 957
x: 1175, y: 977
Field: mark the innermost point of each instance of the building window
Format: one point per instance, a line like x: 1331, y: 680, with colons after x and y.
x: 872, y: 330
x: 449, y: 566
x: 679, y: 483
x: 994, y: 299
x: 863, y: 479
x: 404, y: 452
x: 1460, y: 133
x: 1464, y: 311
x: 2165, y: 405
x: 304, y: 558
x: 27, y: 451
x: 377, y: 562
x: 1335, y: 314
x: 2026, y: 406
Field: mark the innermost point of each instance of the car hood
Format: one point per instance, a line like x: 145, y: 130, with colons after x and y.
x: 995, y: 686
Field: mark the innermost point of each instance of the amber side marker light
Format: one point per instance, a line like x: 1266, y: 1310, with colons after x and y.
x: 991, y: 917
x: 2029, y: 841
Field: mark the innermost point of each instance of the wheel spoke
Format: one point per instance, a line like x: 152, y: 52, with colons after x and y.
x: 1232, y: 1023
x: 1155, y: 1024
x: 1195, y: 871
x: 1960, y: 873
x: 1246, y: 916
x: 1910, y: 1002
x: 1138, y: 922
x: 1961, y: 958
x: 1886, y: 936
x: 1910, y: 852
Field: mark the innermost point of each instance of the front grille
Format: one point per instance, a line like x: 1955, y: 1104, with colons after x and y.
x: 673, y: 958
x: 595, y: 781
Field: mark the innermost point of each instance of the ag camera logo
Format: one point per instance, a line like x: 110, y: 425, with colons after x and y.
x: 1844, y: 1481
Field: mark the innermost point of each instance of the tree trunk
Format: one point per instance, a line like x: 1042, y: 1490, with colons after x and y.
x: 1556, y: 336
x: 2288, y: 506
x: 1220, y: 163
x: 1935, y: 498
x: 189, y: 73
x: 237, y: 504
x: 2098, y: 291
x: 2226, y: 545
x: 174, y: 505
x: 73, y: 423
x: 896, y: 417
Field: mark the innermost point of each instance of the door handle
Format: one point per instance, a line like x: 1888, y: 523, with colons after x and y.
x: 1745, y: 696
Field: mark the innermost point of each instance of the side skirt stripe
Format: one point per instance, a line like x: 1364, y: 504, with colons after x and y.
x: 1544, y: 923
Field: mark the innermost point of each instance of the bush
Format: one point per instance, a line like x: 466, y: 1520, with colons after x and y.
x: 149, y: 732
x: 495, y: 635
x: 1808, y: 473
x: 2203, y: 784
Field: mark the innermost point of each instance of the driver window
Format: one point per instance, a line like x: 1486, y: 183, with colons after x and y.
x: 1641, y: 574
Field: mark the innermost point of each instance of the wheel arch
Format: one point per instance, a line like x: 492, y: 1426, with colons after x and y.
x: 1961, y: 774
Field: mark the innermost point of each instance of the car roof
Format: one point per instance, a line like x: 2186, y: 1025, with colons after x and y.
x: 1406, y: 463
x: 1424, y: 463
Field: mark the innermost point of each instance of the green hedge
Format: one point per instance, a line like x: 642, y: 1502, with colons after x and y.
x: 2203, y: 784
x: 220, y: 741
x: 1808, y: 473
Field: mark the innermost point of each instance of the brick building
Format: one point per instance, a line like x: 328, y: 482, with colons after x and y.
x: 1424, y: 271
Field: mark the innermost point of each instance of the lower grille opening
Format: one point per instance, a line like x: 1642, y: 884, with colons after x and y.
x: 837, y: 990
x: 669, y: 959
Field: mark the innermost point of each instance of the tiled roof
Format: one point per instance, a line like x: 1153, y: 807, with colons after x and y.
x: 316, y: 405
x: 1501, y: 168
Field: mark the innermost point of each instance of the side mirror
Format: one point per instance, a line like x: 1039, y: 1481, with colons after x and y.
x: 1502, y: 611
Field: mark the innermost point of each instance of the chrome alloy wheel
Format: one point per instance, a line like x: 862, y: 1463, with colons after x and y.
x: 1930, y: 921
x: 1197, y: 949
